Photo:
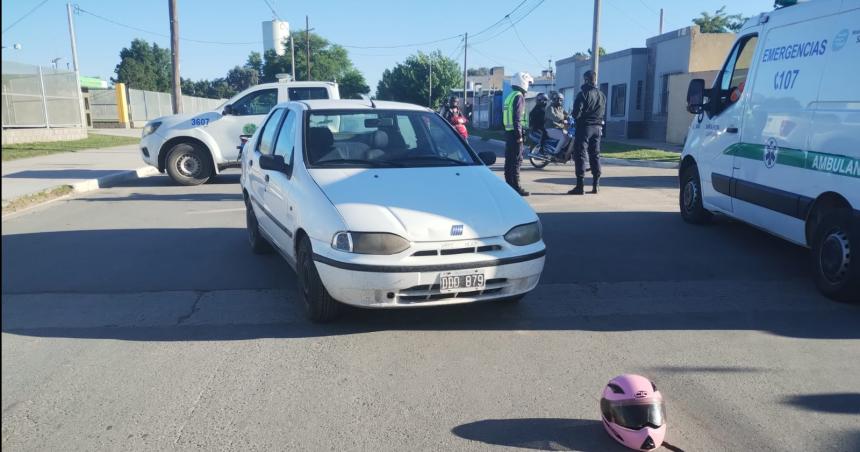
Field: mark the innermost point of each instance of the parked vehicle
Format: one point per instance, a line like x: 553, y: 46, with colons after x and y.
x: 194, y: 148
x: 541, y: 156
x: 776, y: 140
x: 382, y: 205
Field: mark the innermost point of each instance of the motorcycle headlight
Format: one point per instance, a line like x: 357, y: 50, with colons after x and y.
x: 524, y: 234
x: 369, y: 242
x: 150, y: 127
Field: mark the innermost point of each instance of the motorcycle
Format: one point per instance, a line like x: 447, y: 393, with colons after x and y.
x: 541, y: 156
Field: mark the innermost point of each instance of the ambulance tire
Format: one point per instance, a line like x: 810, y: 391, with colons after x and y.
x: 836, y: 256
x: 690, y: 197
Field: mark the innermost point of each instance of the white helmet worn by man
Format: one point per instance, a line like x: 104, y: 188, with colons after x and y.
x: 523, y: 80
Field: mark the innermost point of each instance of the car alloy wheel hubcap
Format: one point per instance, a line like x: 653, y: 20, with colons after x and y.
x: 835, y: 256
x: 690, y: 193
x: 188, y: 165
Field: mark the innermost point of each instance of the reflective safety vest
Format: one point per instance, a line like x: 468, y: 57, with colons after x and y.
x: 508, y: 112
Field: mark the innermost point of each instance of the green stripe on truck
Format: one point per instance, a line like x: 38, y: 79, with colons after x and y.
x: 841, y: 165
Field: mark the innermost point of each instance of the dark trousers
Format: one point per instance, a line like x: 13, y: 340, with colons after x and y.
x: 513, y: 159
x: 587, y: 138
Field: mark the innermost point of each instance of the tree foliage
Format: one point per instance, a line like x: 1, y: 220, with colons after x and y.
x: 409, y: 81
x: 719, y: 22
x: 480, y: 71
x: 144, y: 66
x: 587, y: 53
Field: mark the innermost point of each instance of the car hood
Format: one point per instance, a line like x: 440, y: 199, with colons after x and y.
x: 423, y: 204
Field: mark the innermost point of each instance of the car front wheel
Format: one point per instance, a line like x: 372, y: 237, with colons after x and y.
x: 319, y: 306
x: 690, y: 197
x: 836, y: 256
x: 189, y: 164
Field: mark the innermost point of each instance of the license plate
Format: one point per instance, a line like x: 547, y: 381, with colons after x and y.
x: 461, y: 283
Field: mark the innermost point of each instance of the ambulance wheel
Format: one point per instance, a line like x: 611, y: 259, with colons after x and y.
x: 189, y: 164
x: 836, y: 256
x: 319, y: 305
x: 690, y: 197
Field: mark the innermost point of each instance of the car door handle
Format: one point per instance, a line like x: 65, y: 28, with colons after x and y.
x: 732, y: 130
x: 250, y: 163
x: 267, y: 178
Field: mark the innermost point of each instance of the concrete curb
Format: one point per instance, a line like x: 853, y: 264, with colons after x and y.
x: 643, y: 163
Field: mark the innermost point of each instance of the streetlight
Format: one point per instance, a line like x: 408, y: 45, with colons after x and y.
x: 55, y: 61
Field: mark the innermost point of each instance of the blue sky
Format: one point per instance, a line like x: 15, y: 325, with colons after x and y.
x: 555, y: 29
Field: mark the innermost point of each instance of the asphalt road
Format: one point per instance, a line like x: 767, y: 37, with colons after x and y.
x: 137, y: 318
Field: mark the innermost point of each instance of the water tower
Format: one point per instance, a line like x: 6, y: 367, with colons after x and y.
x: 275, y: 34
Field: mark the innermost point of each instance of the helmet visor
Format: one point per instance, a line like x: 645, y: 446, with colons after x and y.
x: 634, y: 415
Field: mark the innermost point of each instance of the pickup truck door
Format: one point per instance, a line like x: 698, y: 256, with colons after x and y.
x: 245, y: 115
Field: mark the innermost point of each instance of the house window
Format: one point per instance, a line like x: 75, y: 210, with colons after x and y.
x: 619, y: 99
x: 664, y: 94
x: 639, y: 95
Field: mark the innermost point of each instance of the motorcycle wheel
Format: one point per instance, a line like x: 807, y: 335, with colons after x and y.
x: 537, y: 163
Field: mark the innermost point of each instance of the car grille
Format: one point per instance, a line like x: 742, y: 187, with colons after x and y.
x: 430, y: 292
x: 451, y: 251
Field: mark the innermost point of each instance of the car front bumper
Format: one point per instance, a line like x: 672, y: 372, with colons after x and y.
x: 383, y: 286
x: 150, y: 146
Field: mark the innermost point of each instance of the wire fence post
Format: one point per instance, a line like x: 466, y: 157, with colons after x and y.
x: 44, y: 99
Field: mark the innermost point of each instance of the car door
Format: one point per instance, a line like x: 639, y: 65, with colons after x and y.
x: 245, y: 115
x: 277, y: 195
x: 257, y: 177
x: 717, y: 130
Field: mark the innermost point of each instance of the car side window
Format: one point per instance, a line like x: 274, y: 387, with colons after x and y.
x: 732, y: 79
x: 256, y: 103
x: 307, y: 93
x: 265, y: 144
x: 285, y: 143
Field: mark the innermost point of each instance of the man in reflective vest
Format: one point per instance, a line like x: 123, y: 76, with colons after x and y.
x: 516, y: 122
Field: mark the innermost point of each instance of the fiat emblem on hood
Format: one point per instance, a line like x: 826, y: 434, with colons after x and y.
x: 457, y: 229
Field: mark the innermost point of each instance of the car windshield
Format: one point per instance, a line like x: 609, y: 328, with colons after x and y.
x: 383, y: 139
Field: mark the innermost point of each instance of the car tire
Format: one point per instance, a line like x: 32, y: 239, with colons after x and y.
x: 319, y: 306
x: 189, y: 164
x: 690, y: 197
x: 259, y: 244
x: 836, y: 256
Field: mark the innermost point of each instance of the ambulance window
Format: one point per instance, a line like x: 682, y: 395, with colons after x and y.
x: 734, y: 74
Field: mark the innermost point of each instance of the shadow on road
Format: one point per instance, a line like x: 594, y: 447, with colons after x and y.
x: 61, y: 174
x: 541, y: 434
x: 617, y: 181
x: 839, y: 403
x: 229, y: 177
x: 212, y: 197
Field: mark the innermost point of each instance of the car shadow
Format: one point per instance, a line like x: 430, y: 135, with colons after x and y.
x: 540, y: 434
x: 163, y: 180
x: 838, y: 403
x: 188, y: 196
x: 618, y: 181
x: 62, y: 174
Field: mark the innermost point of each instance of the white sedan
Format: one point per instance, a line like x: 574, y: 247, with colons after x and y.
x: 383, y: 205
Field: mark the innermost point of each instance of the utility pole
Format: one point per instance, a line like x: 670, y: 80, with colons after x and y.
x: 595, y: 41
x: 174, y: 53
x: 465, y: 71
x: 308, y: 44
x: 661, y: 21
x: 72, y: 36
x: 293, y: 55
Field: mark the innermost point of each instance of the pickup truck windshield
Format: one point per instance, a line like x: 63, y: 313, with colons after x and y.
x: 383, y: 139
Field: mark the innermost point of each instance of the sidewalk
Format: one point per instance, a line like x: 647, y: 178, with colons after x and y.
x: 84, y: 170
x: 649, y: 144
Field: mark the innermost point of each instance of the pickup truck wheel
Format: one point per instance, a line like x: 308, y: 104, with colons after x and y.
x: 259, y: 244
x: 836, y: 256
x: 189, y: 164
x: 319, y: 306
x: 690, y: 197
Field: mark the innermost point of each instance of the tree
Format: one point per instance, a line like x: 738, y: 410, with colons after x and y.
x: 352, y: 85
x: 144, y: 66
x: 255, y: 62
x: 720, y: 22
x: 241, y: 78
x: 478, y: 71
x: 408, y: 81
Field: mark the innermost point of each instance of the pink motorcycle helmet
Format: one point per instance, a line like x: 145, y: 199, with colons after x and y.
x: 633, y: 412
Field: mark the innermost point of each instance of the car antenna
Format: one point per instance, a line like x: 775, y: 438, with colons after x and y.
x: 369, y: 99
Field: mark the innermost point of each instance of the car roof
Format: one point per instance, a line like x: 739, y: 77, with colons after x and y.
x: 355, y: 104
x: 298, y: 84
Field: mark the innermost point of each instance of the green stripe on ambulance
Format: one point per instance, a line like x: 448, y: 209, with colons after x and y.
x: 810, y: 160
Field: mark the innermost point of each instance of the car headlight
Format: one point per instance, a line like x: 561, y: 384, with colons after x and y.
x: 369, y: 242
x: 150, y: 127
x: 524, y: 234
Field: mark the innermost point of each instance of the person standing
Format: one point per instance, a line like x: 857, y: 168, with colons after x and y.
x: 589, y: 109
x: 514, y: 119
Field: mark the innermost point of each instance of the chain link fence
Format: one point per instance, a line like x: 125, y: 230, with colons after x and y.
x: 34, y: 96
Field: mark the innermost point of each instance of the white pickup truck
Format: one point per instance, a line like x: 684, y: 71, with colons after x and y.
x: 192, y: 148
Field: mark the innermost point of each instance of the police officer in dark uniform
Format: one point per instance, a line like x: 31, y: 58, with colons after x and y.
x: 589, y: 109
x: 515, y: 121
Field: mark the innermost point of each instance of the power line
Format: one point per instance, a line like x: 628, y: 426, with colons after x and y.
x: 507, y: 16
x: 398, y: 46
x: 27, y: 14
x: 272, y: 8
x: 632, y: 19
x: 513, y: 22
x: 517, y: 33
x: 649, y: 7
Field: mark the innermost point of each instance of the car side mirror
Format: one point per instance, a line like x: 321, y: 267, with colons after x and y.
x: 489, y: 158
x: 696, y: 96
x: 228, y: 110
x: 273, y: 162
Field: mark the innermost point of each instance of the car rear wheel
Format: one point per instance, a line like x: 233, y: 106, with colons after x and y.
x: 690, y: 197
x: 836, y: 256
x: 189, y: 164
x: 319, y: 306
x: 259, y: 244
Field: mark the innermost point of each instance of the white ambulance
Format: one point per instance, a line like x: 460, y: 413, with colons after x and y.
x: 194, y: 148
x: 776, y: 139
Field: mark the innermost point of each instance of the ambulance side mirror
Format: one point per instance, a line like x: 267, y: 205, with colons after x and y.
x: 696, y: 96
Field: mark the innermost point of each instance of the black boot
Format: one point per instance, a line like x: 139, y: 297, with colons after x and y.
x: 595, y: 185
x: 578, y: 190
x: 522, y: 192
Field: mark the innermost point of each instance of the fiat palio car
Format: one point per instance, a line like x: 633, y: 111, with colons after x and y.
x: 383, y: 205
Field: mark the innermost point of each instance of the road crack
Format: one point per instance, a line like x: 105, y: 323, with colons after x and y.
x: 195, y: 307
